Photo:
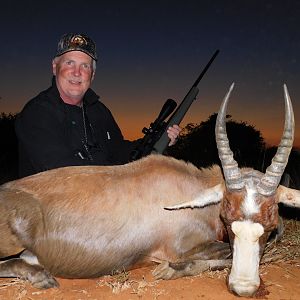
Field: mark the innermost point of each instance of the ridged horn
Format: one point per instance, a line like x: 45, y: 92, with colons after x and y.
x: 270, y: 181
x: 232, y: 173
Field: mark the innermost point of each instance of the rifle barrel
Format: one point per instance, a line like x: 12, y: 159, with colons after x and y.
x: 162, y: 143
x: 206, y: 68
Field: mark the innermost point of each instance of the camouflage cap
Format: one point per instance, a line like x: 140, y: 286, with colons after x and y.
x: 76, y: 42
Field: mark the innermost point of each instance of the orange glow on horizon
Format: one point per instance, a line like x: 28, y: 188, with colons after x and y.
x: 132, y: 132
x: 133, y: 116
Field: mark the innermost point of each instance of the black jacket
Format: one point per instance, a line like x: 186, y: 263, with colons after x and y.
x: 51, y: 134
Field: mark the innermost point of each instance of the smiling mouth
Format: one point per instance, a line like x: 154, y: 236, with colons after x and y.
x: 75, y: 82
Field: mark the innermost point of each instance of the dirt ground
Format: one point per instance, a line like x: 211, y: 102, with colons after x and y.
x: 282, y: 282
x: 280, y: 273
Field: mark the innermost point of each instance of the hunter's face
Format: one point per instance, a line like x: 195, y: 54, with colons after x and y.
x: 74, y: 74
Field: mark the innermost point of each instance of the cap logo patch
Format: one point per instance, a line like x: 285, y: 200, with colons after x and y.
x: 77, y: 40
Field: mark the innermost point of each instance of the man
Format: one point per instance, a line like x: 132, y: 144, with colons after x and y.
x: 67, y: 125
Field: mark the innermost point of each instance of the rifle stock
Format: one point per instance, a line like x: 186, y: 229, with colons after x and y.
x: 176, y: 118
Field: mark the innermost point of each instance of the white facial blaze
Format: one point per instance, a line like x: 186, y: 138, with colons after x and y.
x: 244, y: 277
x: 249, y: 205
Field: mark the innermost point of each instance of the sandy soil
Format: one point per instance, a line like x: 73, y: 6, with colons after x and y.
x: 281, y: 280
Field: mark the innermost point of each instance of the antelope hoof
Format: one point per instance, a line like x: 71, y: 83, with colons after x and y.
x: 43, y: 280
x: 164, y: 271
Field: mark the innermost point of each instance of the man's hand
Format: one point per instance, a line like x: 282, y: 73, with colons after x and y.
x: 173, y: 133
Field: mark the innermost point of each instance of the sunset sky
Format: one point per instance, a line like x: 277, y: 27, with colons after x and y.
x: 153, y: 50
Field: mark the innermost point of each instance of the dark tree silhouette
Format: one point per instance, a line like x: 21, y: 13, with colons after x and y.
x: 8, y: 148
x: 198, y: 145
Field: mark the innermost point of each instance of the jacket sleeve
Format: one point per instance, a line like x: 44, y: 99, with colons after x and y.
x: 41, y: 139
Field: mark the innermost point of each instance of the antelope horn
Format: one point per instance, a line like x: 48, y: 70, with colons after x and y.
x: 269, y: 182
x: 232, y: 173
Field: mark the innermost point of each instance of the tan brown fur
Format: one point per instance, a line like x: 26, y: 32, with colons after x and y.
x: 113, y: 217
x: 87, y: 221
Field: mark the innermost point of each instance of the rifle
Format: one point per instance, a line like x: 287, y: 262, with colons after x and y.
x: 156, y: 138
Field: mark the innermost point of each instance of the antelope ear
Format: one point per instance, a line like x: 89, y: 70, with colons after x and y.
x: 288, y: 196
x: 209, y: 196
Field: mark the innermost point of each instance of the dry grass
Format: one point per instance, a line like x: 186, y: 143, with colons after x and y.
x: 121, y: 281
x: 12, y: 282
x: 287, y: 249
x: 20, y: 286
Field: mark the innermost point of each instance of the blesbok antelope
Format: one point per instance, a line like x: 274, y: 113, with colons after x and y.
x: 87, y: 221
